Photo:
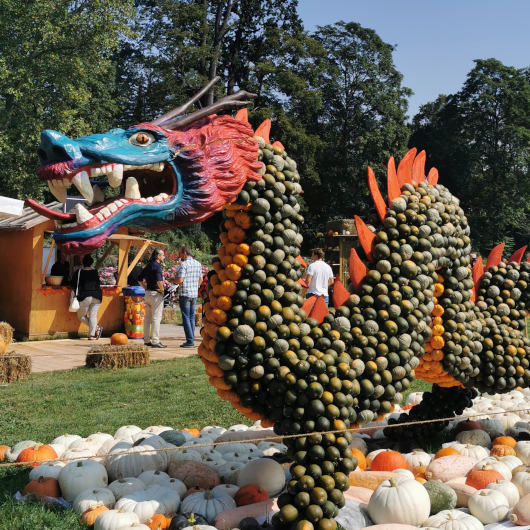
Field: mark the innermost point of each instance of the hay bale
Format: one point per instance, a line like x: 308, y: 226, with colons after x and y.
x: 169, y: 315
x: 6, y: 332
x: 114, y: 357
x: 14, y: 367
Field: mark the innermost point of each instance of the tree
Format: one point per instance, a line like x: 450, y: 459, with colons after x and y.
x: 479, y: 140
x: 56, y: 72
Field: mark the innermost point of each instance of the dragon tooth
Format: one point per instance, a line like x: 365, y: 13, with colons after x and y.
x: 82, y: 214
x: 100, y: 216
x: 67, y: 183
x: 82, y: 183
x: 164, y: 195
x: 105, y: 212
x: 158, y: 198
x: 94, y: 172
x: 150, y: 199
x: 143, y: 199
x: 125, y: 201
x: 132, y: 190
x: 112, y: 207
x: 59, y: 193
x: 160, y: 167
x: 58, y: 225
x: 118, y: 203
x: 98, y: 194
x: 116, y: 175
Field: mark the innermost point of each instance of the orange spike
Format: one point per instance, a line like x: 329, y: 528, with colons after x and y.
x: 432, y: 177
x: 320, y: 310
x: 518, y: 255
x: 495, y: 256
x: 379, y: 202
x: 301, y: 261
x: 404, y: 171
x: 302, y: 282
x: 278, y: 144
x: 393, y: 188
x: 358, y: 270
x: 340, y: 294
x: 264, y: 130
x: 391, y: 169
x: 366, y: 238
x: 309, y: 303
x: 418, y: 168
x: 242, y: 115
x: 477, y: 273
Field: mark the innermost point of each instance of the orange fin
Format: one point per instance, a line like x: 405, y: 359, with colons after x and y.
x: 358, y: 270
x: 340, y: 294
x: 404, y: 171
x: 391, y: 169
x: 418, y: 168
x: 278, y: 144
x: 495, y: 256
x: 301, y: 261
x: 518, y: 255
x: 242, y: 115
x: 432, y: 177
x: 320, y: 310
x: 477, y: 273
x: 308, y: 304
x: 366, y: 238
x: 393, y: 188
x: 379, y: 202
x: 302, y: 282
x: 264, y: 131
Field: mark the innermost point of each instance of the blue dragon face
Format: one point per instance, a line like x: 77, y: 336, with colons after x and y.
x: 165, y: 178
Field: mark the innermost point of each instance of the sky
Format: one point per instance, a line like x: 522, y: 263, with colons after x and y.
x: 437, y: 41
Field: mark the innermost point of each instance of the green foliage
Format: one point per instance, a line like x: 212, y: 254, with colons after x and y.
x: 479, y: 141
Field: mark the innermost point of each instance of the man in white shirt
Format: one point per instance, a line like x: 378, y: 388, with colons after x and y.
x: 319, y: 276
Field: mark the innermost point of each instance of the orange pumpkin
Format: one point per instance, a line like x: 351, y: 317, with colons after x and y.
x: 222, y: 275
x: 236, y: 234
x: 242, y: 219
x: 233, y: 271
x: 448, y: 451
x: 221, y: 252
x: 158, y: 521
x: 3, y: 347
x: 361, y: 460
x: 223, y: 236
x: 438, y: 289
x: 217, y: 316
x: 228, y: 288
x: 119, y: 339
x: 3, y: 449
x: 37, y: 453
x: 243, y: 248
x: 504, y: 440
x: 388, y: 461
x: 224, y: 303
x: 214, y: 280
x: 250, y: 494
x: 89, y: 517
x: 437, y: 342
x: 420, y: 480
x: 240, y: 260
x: 480, y: 478
x: 226, y: 261
x: 193, y: 432
x: 438, y: 310
x: 195, y: 489
x: 217, y: 264
x: 502, y: 450
x: 438, y: 330
x: 419, y: 471
x: 437, y: 355
x: 43, y: 486
x: 229, y: 224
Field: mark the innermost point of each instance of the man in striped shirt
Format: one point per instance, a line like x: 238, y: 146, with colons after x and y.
x: 189, y: 276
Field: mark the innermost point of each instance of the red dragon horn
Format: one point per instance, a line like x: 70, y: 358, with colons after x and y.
x: 418, y: 168
x: 379, y: 202
x: 393, y: 188
x: 358, y: 270
x: 278, y: 144
x: 340, y: 294
x: 366, y: 238
x: 495, y: 256
x: 242, y: 115
x: 478, y: 272
x: 404, y: 171
x: 264, y: 130
x: 432, y: 177
x: 518, y: 255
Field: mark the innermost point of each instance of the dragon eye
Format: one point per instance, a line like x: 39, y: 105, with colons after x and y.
x: 142, y: 139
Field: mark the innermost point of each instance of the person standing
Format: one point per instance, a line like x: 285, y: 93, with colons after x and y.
x: 189, y: 276
x: 152, y: 280
x: 86, y: 284
x: 319, y: 276
x: 61, y: 268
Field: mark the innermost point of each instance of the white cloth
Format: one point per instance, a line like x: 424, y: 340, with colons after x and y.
x: 89, y: 305
x: 154, y: 309
x: 320, y: 273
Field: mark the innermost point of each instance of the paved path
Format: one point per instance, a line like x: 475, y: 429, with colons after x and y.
x: 66, y: 354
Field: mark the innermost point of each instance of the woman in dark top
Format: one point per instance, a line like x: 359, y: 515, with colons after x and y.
x: 89, y: 295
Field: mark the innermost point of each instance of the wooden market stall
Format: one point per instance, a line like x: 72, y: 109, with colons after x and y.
x: 36, y: 310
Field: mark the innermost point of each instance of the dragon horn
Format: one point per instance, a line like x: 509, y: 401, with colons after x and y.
x: 278, y: 144
x: 518, y: 255
x: 418, y: 168
x: 366, y: 238
x: 404, y: 170
x: 358, y: 270
x: 478, y: 272
x: 393, y: 188
x: 432, y: 177
x: 495, y: 256
x: 264, y: 131
x: 379, y: 202
x: 242, y: 115
x: 340, y: 294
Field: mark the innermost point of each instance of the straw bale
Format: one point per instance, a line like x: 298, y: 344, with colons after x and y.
x: 6, y: 332
x: 114, y: 357
x: 14, y: 367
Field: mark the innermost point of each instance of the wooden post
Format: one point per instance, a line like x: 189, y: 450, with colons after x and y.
x: 105, y: 254
x: 136, y: 259
x: 123, y: 260
x: 47, y: 262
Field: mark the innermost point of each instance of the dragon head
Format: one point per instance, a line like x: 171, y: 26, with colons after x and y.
x: 166, y: 178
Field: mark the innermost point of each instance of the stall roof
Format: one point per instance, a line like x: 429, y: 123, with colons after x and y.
x: 29, y: 218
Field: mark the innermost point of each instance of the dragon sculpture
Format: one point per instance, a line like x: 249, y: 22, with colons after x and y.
x: 414, y: 307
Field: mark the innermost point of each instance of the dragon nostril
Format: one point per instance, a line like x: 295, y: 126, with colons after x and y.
x: 60, y: 152
x: 41, y: 153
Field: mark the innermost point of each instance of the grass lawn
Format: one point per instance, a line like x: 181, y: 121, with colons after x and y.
x: 174, y: 393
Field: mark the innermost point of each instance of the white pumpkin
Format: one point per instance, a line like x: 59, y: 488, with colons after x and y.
x: 124, y: 486
x: 493, y: 427
x: 399, y: 501
x: 197, y: 445
x: 59, y: 449
x: 517, y: 394
x: 468, y: 412
x: 523, y: 425
x: 230, y: 471
x: 114, y: 519
x: 359, y: 443
x: 488, y: 506
x: 153, y: 477
x: 474, y: 451
x: 134, y: 526
x: 156, y: 429
x: 227, y: 489
x: 508, y: 489
x: 508, y: 419
x: 110, y: 444
x: 154, y: 440
x: 414, y: 398
x: 230, y: 448
x: 78, y: 454
x: 153, y: 499
x: 504, y: 403
x: 184, y: 454
x: 208, y: 503
x: 127, y: 431
x: 213, y: 432
x: 66, y: 439
x: 264, y: 473
x: 216, y: 465
x: 202, y: 527
x: 494, y: 464
x: 522, y: 481
x: 249, y: 447
x: 48, y: 469
x: 76, y: 477
x: 213, y: 455
x: 453, y: 520
x: 263, y: 446
x: 187, y: 435
x: 131, y: 461
x: 100, y: 437
x: 238, y: 428
x: 474, y: 437
x: 404, y: 472
x: 515, y: 432
x: 522, y: 451
x: 511, y: 461
x: 417, y: 458
x: 176, y: 485
x: 86, y: 444
x: 236, y: 457
x: 98, y: 497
